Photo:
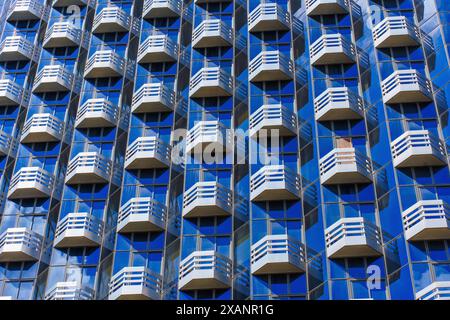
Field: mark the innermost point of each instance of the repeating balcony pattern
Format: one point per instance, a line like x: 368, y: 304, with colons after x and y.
x: 332, y: 49
x: 269, y: 66
x: 54, y: 78
x: 88, y: 167
x: 438, y: 290
x: 20, y: 244
x: 326, y: 7
x: 406, y: 86
x: 417, y: 148
x: 161, y: 9
x: 27, y: 10
x: 270, y: 117
x: 206, y: 199
x: 97, y: 113
x: 105, y: 63
x: 268, y: 17
x: 205, y: 270
x: 277, y: 254
x: 142, y: 214
x: 112, y: 19
x: 148, y: 153
x: 211, y: 82
x: 274, y: 182
x: 12, y: 94
x: 135, y: 283
x: 395, y: 31
x: 153, y: 97
x: 6, y: 142
x: 158, y: 48
x: 70, y: 290
x: 42, y: 127
x: 62, y: 34
x: 17, y: 48
x: 338, y: 104
x: 31, y: 182
x: 78, y: 229
x: 212, y: 33
x: 208, y: 134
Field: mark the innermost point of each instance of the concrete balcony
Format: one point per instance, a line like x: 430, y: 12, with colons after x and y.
x: 212, y: 33
x: 78, y: 229
x: 157, y: 48
x: 88, y: 167
x: 208, y: 134
x: 153, y: 97
x: 42, y: 127
x: 207, y: 199
x: 277, y: 254
x: 338, y: 104
x: 142, y: 214
x: 6, y: 142
x: 205, y: 270
x: 351, y: 238
x: 395, y: 32
x: 53, y: 78
x: 31, y: 182
x: 270, y: 117
x: 20, y: 244
x: 344, y: 165
x: 211, y: 82
x: 27, y: 10
x: 427, y: 220
x: 112, y: 19
x: 67, y: 3
x: 406, y: 86
x: 135, y: 283
x: 325, y: 7
x: 17, y: 48
x: 161, y: 9
x: 97, y: 113
x: 437, y: 290
x: 148, y: 153
x: 104, y: 64
x: 62, y: 34
x: 418, y: 148
x: 70, y: 290
x: 11, y: 94
x: 270, y: 66
x: 274, y: 182
x: 268, y: 17
x: 332, y: 49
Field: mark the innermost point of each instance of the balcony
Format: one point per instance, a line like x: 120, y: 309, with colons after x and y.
x: 395, y: 32
x: 97, y: 113
x: 104, y: 64
x: 42, y: 127
x: 11, y: 93
x: 62, y: 34
x: 53, y: 78
x: 211, y: 82
x: 26, y: 10
x: 135, y: 283
x: 207, y: 199
x: 148, y: 153
x: 161, y: 9
x: 212, y: 33
x: 277, y: 254
x: 6, y: 141
x: 427, y: 220
x: 437, y: 290
x: 325, y: 7
x: 17, y: 48
x: 338, y: 104
x: 70, y: 290
x: 418, y: 148
x: 153, y: 97
x: 274, y: 182
x: 271, y: 117
x: 111, y: 19
x: 88, y: 167
x: 343, y: 166
x: 351, y: 238
x: 205, y: 270
x: 270, y: 66
x: 406, y: 86
x: 208, y: 134
x: 31, y: 182
x: 332, y: 49
x: 79, y: 229
x: 142, y: 215
x: 20, y: 244
x: 268, y: 17
x: 157, y: 48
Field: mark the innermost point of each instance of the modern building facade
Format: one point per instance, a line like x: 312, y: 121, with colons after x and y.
x: 217, y: 149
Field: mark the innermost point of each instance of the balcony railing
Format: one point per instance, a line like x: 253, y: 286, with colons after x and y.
x: 161, y: 8
x: 105, y: 63
x: 338, y: 104
x: 437, y: 290
x: 11, y: 93
x: 78, y: 229
x: 157, y: 48
x: 206, y: 199
x: 42, y: 127
x: 20, y: 244
x: 212, y: 33
x: 70, y: 290
x: 332, y: 49
x: 153, y: 97
x: 27, y: 10
x: 326, y: 7
x: 406, y: 86
x: 211, y: 82
x: 88, y: 167
x: 112, y: 19
x: 142, y: 214
x: 269, y: 66
x: 272, y: 117
x: 274, y: 182
x: 208, y: 134
x: 62, y: 34
x: 17, y: 48
x: 268, y: 17
x: 54, y: 78
x: 97, y: 113
x: 148, y: 153
x: 395, y: 32
x: 31, y: 182
x: 6, y: 142
x: 135, y: 283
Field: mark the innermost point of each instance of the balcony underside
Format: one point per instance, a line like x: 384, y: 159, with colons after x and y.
x: 270, y: 75
x: 79, y: 238
x: 422, y: 160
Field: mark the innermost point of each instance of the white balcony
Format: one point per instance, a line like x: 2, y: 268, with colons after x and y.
x: 268, y: 17
x: 205, y: 270
x: 31, y: 182
x: 437, y: 290
x: 135, y: 283
x: 338, y: 104
x: 271, y: 117
x: 20, y: 244
x: 67, y: 3
x: 427, y: 220
x: 27, y: 10
x: 351, y: 238
x: 11, y: 93
x: 17, y: 48
x: 97, y: 113
x: 104, y: 64
x: 62, y: 34
x: 324, y: 7
x: 153, y: 97
x: 274, y: 182
x: 142, y: 214
x: 212, y: 33
x: 277, y: 254
x: 6, y: 141
x: 88, y: 167
x: 208, y: 134
x: 53, y: 78
x: 344, y: 165
x: 70, y: 290
x: 417, y: 148
x: 270, y: 66
x: 161, y: 9
x: 406, y: 86
x: 207, y: 199
x: 148, y: 153
x: 157, y: 48
x: 78, y: 229
x: 42, y: 127
x: 211, y: 82
x: 111, y: 19
x: 395, y: 32
x: 332, y: 49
